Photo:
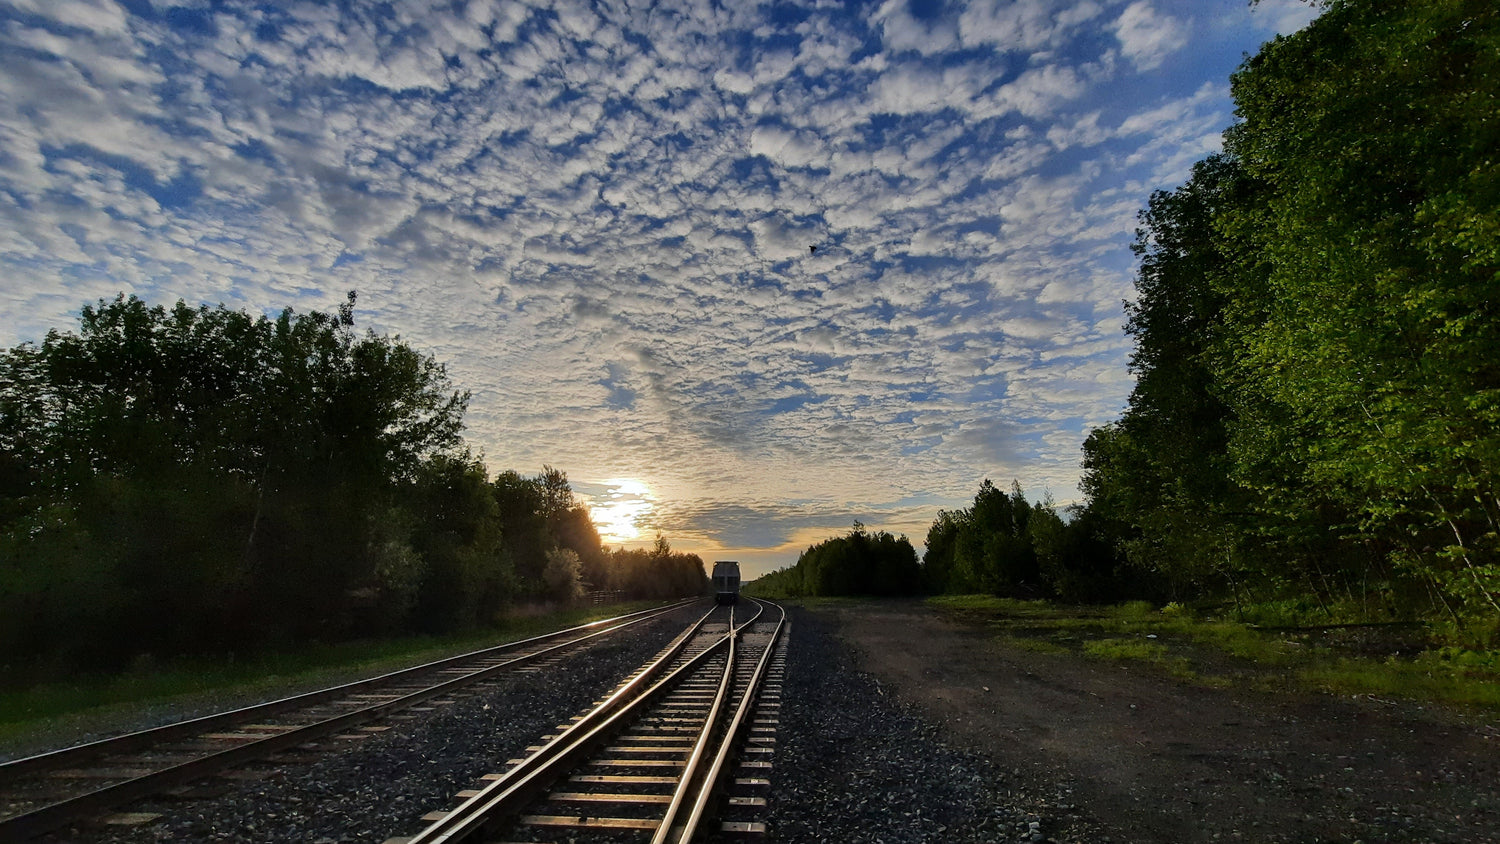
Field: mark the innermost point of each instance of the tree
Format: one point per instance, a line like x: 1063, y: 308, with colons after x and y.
x: 1317, y: 409
x: 563, y: 575
x: 657, y: 572
x: 937, y: 562
x: 454, y: 526
x: 240, y: 469
x: 1373, y: 134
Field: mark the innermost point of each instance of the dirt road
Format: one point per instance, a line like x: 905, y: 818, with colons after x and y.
x: 1156, y: 759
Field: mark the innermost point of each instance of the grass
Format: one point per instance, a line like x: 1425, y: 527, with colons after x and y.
x: 1200, y: 647
x: 85, y: 698
x: 1415, y: 679
x: 1126, y: 649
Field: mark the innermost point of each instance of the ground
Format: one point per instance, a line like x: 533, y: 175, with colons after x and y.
x: 1150, y: 757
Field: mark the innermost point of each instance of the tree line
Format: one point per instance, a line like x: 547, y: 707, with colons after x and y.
x: 198, y: 479
x: 1002, y: 544
x: 1315, y: 425
x: 858, y: 563
x: 1316, y: 417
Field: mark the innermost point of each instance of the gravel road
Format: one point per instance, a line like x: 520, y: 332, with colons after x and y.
x: 1152, y: 758
x: 856, y: 764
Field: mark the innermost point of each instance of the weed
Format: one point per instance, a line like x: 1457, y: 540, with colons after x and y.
x: 1193, y: 644
x: 1142, y: 650
x: 1040, y: 646
x: 1126, y: 649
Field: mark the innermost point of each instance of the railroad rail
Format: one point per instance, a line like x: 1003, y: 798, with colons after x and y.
x: 652, y: 758
x: 42, y: 793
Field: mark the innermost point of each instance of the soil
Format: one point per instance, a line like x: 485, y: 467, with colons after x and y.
x: 1153, y: 758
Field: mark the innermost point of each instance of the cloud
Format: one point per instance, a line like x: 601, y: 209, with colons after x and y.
x: 1038, y: 91
x: 600, y: 221
x: 1146, y: 36
x: 1022, y: 25
x: 102, y: 17
x: 1284, y: 17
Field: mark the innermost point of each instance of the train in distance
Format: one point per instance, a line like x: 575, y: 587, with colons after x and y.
x: 726, y: 582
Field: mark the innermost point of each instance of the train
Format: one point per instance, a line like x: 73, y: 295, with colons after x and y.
x: 726, y: 582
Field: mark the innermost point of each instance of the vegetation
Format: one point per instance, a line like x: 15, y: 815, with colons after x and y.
x: 1318, y: 407
x: 1003, y: 545
x: 198, y: 480
x: 859, y: 563
x: 1207, y: 649
x: 658, y: 572
x: 79, y: 698
x: 1315, y: 427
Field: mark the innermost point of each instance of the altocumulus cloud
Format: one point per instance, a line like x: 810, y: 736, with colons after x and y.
x: 599, y: 215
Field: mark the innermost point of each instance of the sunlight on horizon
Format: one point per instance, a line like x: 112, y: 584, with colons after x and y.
x: 618, y: 513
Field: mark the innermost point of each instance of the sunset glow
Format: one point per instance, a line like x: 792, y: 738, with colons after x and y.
x: 620, y: 513
x: 795, y: 263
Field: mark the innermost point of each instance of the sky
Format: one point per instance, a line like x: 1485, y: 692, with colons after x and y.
x: 599, y: 216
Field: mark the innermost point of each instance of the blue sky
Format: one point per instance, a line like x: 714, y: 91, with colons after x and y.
x: 599, y: 214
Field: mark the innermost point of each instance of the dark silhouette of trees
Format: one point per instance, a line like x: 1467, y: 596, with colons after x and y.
x: 858, y: 563
x: 1005, y: 545
x: 197, y: 479
x: 656, y: 572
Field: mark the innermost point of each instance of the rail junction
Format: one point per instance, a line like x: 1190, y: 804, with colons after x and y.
x: 680, y: 749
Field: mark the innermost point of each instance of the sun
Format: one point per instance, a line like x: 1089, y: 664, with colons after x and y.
x: 618, y: 513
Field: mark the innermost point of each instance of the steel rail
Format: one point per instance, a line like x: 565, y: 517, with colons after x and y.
x: 52, y: 816
x: 524, y: 782
x: 732, y: 740
x: 507, y: 796
x: 127, y: 742
x: 700, y: 747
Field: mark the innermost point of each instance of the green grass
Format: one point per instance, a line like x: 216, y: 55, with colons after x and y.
x: 1419, y: 679
x: 1145, y: 651
x: 23, y: 711
x: 1200, y: 647
x: 1040, y: 646
x: 1142, y: 650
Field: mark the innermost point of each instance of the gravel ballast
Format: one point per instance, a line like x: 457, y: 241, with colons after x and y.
x: 383, y: 785
x: 853, y: 764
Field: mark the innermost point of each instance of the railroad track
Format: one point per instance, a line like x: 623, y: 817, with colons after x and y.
x: 46, y: 792
x: 682, y: 745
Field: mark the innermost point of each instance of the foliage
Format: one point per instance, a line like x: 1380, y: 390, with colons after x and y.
x: 858, y: 563
x: 1317, y: 409
x: 657, y: 572
x: 563, y: 574
x: 191, y: 480
x: 1004, y: 545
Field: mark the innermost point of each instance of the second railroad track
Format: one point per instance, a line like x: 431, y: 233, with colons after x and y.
x: 42, y: 793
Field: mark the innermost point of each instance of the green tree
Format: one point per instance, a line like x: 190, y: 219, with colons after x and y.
x: 1317, y: 409
x: 563, y: 575
x: 1364, y: 366
x: 240, y: 470
x: 937, y: 562
x: 858, y: 563
x: 657, y: 572
x: 455, y: 527
x: 985, y: 547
